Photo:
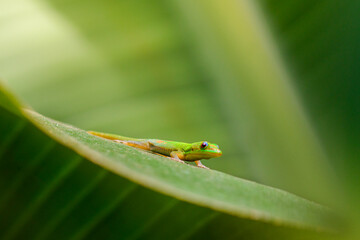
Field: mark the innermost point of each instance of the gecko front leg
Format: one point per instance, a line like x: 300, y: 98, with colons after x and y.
x: 199, y: 164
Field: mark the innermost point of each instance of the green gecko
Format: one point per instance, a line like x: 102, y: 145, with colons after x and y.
x: 177, y: 151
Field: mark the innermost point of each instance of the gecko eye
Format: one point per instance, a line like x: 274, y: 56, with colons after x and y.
x: 204, y: 145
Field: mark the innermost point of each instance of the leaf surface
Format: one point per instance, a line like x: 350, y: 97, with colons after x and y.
x: 49, y: 189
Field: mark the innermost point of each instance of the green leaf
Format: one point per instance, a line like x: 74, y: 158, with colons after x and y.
x: 49, y: 189
x: 275, y: 83
x: 190, y: 70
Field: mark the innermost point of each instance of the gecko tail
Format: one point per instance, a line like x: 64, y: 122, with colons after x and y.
x: 133, y: 142
x: 111, y: 136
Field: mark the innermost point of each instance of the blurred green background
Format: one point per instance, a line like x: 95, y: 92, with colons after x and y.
x: 275, y: 83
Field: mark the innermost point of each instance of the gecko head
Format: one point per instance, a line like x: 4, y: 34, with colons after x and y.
x: 203, y: 150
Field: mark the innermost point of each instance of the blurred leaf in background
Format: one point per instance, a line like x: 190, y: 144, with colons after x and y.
x: 274, y: 83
